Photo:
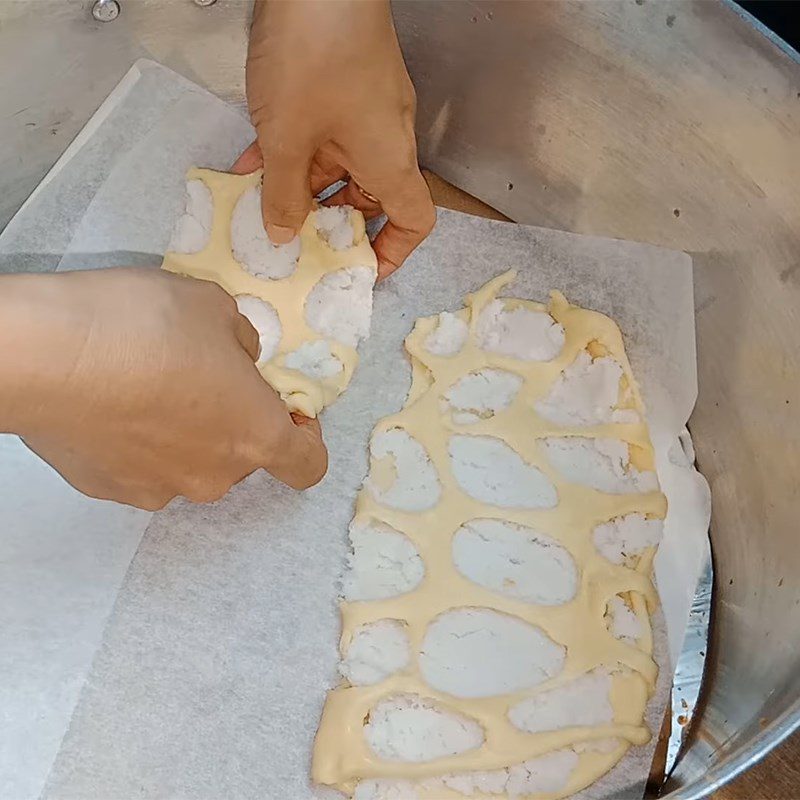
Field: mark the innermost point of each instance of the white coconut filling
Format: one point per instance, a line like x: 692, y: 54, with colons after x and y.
x: 581, y: 702
x: 515, y: 561
x: 519, y: 332
x: 192, y: 231
x: 622, y: 621
x: 339, y: 307
x: 479, y: 652
x: 376, y: 651
x: 624, y: 538
x: 383, y: 789
x: 481, y: 395
x: 544, y: 774
x: 401, y: 474
x: 383, y: 563
x: 314, y: 360
x: 410, y: 728
x: 602, y: 464
x: 488, y: 470
x: 334, y: 226
x: 448, y: 337
x: 586, y: 393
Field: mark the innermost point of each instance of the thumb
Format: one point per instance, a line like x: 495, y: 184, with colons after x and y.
x: 286, y: 190
x: 303, y: 459
x: 249, y: 161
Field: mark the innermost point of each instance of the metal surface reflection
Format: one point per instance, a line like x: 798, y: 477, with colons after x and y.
x: 676, y: 126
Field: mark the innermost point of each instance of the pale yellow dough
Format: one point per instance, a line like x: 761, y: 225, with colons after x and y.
x: 286, y: 295
x: 341, y: 754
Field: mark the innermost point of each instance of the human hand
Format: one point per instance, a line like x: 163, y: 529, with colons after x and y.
x: 330, y: 97
x: 138, y: 386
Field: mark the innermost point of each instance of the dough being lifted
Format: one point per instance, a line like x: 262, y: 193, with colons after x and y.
x: 310, y: 300
x: 496, y: 640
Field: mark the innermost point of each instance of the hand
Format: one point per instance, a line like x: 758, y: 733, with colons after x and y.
x: 330, y: 97
x: 138, y: 385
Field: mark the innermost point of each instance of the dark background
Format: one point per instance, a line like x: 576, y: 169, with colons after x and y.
x: 781, y: 16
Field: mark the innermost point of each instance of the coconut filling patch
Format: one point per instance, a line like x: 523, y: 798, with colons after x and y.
x: 310, y: 300
x: 192, y: 231
x: 495, y: 630
x: 481, y: 395
x: 589, y: 392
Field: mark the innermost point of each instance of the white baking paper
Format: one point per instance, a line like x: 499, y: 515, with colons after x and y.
x: 63, y: 557
x: 222, y: 642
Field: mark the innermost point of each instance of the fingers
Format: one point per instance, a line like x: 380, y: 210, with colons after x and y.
x: 99, y: 484
x: 203, y: 490
x: 407, y: 203
x: 302, y: 458
x: 247, y: 335
x: 351, y: 195
x: 289, y: 446
x: 394, y: 244
x: 286, y: 191
x: 249, y: 161
x: 412, y: 216
x: 326, y: 169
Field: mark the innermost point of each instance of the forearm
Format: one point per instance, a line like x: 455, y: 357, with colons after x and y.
x: 309, y: 14
x: 34, y: 346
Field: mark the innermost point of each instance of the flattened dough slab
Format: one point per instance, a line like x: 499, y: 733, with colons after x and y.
x: 215, y: 262
x: 342, y: 756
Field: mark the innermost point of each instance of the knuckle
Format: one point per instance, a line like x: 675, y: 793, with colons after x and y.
x: 408, y: 107
x: 312, y: 475
x: 407, y: 167
x: 216, y: 493
x: 408, y: 99
x: 143, y: 498
x: 398, y: 159
x: 151, y: 500
x: 428, y: 219
x: 204, y: 491
x: 284, y: 144
x: 304, y: 463
x: 154, y: 503
x: 320, y: 470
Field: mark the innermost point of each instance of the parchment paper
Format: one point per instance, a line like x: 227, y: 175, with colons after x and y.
x: 222, y: 642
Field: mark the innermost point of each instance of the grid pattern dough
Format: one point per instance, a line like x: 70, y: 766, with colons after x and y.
x: 583, y: 509
x: 308, y: 366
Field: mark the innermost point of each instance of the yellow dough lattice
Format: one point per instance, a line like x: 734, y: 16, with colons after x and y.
x: 342, y: 755
x: 287, y: 295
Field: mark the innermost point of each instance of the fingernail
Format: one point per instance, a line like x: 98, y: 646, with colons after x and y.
x: 280, y: 234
